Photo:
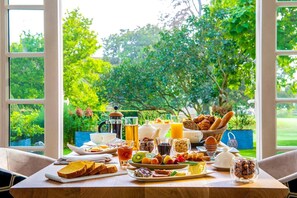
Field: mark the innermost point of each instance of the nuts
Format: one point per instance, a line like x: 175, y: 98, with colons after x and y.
x: 244, y: 169
x: 181, y: 145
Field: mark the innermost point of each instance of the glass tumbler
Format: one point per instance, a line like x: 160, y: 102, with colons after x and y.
x: 245, y: 170
x: 131, y: 131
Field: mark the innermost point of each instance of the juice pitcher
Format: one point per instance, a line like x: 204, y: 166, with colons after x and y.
x: 113, y: 124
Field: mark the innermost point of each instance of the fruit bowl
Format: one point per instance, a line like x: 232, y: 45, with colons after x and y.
x: 164, y: 128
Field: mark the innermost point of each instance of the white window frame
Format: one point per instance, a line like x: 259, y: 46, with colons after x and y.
x: 53, y: 85
x: 266, y: 97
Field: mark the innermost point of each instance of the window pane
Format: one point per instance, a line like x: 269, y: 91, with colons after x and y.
x: 286, y: 76
x: 26, y: 30
x: 26, y: 78
x: 287, y: 124
x: 286, y: 28
x: 25, y: 2
x: 26, y: 125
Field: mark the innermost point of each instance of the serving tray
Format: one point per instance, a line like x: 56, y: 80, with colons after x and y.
x: 158, y: 166
x: 169, y: 178
x: 55, y: 177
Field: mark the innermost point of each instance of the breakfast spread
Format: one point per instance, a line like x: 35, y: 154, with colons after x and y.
x: 208, y: 122
x: 84, y: 168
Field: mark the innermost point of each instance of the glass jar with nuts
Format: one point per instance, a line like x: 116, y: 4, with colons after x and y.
x: 244, y: 170
x: 181, y: 145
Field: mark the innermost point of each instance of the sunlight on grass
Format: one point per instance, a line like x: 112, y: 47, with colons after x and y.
x: 287, y: 131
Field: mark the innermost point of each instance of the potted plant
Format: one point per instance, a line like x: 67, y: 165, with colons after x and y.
x: 84, y: 123
x: 241, y: 126
x: 23, y: 128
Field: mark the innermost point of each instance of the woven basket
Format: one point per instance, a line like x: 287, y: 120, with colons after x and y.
x: 217, y: 134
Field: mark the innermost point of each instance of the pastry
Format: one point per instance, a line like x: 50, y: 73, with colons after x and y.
x: 216, y: 124
x: 204, y: 124
x: 226, y: 119
x: 190, y: 124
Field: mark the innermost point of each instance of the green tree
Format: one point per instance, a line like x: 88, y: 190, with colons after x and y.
x: 81, y: 70
x: 129, y: 44
x: 191, y: 66
x: 27, y: 74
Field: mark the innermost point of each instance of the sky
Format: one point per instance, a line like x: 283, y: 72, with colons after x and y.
x: 109, y: 16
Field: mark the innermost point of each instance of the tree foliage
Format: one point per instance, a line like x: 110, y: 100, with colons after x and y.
x: 27, y: 74
x: 191, y: 66
x: 129, y: 44
x: 81, y: 71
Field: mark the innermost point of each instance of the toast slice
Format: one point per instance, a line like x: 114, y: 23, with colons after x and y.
x: 111, y: 168
x: 104, y: 170
x: 73, y: 170
x: 97, y: 168
x: 90, y: 166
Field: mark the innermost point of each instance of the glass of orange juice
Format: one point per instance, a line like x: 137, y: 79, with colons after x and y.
x: 131, y: 130
x: 176, y: 130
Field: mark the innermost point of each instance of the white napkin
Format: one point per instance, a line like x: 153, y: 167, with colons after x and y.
x: 97, y: 157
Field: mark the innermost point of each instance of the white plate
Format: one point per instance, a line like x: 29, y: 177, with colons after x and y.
x: 156, y: 179
x: 219, y: 149
x: 158, y: 166
x: 82, y: 151
x: 55, y: 177
x: 220, y: 167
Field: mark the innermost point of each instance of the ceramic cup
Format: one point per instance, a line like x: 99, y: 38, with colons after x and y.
x: 102, y: 138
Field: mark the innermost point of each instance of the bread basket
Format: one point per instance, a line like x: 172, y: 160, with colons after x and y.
x: 217, y: 134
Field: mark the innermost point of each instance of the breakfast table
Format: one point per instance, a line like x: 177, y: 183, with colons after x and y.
x: 217, y: 184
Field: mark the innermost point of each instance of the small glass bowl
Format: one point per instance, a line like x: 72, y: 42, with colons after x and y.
x: 244, y: 170
x: 181, y: 145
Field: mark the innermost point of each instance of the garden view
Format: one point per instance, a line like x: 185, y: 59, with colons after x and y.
x: 197, y: 60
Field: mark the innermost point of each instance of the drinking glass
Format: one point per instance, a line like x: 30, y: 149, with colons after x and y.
x: 125, y: 150
x: 176, y: 130
x: 164, y: 145
x: 131, y: 130
x: 244, y: 169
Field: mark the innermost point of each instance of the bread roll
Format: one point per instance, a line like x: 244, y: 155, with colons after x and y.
x: 226, y: 119
x: 216, y: 124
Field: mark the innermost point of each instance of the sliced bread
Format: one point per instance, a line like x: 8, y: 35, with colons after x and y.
x: 97, y: 168
x: 73, y: 170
